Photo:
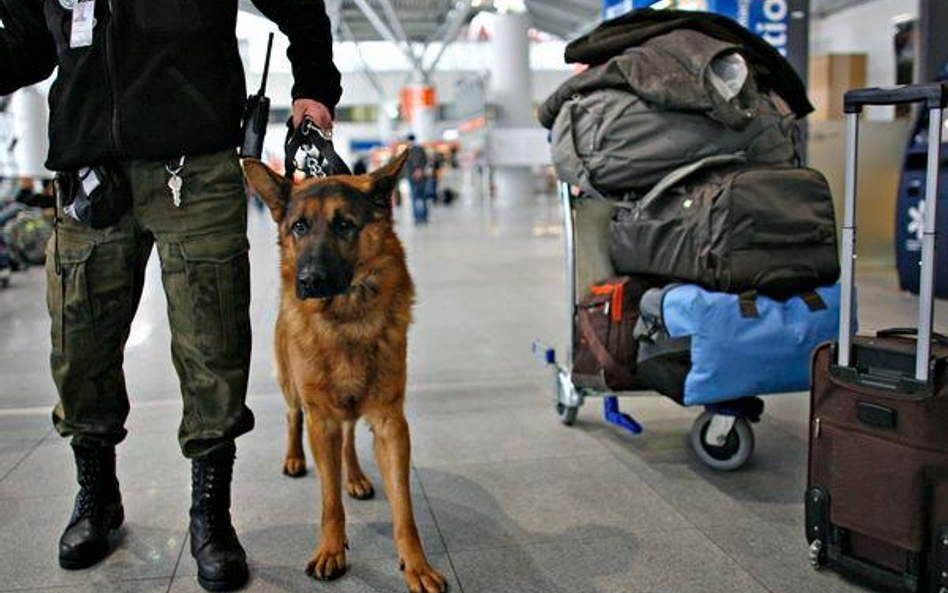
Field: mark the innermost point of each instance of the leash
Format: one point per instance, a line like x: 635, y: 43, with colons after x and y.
x: 321, y: 159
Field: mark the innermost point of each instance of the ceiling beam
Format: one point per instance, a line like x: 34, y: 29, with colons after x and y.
x: 363, y: 63
x: 461, y: 10
x: 386, y: 33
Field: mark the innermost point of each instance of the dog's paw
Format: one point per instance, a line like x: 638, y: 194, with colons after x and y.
x: 424, y: 578
x: 327, y: 564
x: 294, y: 467
x: 360, y: 488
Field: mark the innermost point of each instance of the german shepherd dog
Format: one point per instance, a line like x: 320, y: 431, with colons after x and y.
x: 341, y: 348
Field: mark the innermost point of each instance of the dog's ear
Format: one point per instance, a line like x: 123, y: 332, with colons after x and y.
x: 273, y: 188
x: 385, y: 180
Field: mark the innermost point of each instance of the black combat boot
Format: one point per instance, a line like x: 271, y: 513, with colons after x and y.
x: 221, y: 561
x: 98, y: 509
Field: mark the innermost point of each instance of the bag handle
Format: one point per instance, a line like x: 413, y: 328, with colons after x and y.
x: 600, y: 351
x: 747, y: 302
x: 308, y: 134
x: 935, y: 97
x: 910, y: 332
x: 681, y: 173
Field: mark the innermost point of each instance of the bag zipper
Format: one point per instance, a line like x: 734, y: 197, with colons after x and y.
x: 818, y: 429
x: 110, y: 83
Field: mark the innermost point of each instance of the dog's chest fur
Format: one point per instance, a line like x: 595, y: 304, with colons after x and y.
x: 346, y: 352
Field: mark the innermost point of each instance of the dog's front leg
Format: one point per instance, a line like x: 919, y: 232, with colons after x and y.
x: 325, y: 438
x: 392, y: 450
x: 357, y: 485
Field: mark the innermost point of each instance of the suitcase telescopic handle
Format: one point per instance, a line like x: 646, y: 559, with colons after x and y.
x: 932, y: 95
x: 935, y: 98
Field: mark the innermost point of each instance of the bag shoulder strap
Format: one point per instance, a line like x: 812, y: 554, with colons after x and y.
x: 682, y: 173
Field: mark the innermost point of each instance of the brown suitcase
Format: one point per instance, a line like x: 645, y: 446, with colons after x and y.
x: 877, y: 494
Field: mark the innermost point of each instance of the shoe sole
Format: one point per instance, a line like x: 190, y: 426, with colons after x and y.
x: 70, y: 564
x: 231, y: 584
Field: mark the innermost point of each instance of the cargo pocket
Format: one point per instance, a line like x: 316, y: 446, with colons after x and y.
x: 217, y: 272
x: 67, y: 295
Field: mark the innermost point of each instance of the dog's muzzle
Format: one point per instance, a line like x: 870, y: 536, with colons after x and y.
x: 313, y: 283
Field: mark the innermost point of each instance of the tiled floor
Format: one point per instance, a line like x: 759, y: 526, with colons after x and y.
x: 507, y: 499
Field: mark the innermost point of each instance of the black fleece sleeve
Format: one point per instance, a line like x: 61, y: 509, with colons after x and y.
x: 27, y: 49
x: 306, y: 24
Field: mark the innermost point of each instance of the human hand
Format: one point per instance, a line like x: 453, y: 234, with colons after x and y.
x: 315, y: 111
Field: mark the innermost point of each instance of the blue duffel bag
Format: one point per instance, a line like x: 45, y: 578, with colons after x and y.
x: 700, y: 347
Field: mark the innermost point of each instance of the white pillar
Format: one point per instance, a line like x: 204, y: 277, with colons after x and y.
x: 30, y: 120
x: 510, y: 94
x: 424, y: 123
x: 420, y: 98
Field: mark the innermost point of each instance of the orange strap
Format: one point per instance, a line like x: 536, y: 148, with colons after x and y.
x: 618, y: 297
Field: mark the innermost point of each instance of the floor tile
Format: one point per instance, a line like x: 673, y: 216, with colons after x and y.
x: 144, y: 462
x: 777, y: 556
x: 497, y: 434
x: 769, y: 487
x: 147, y: 546
x: 131, y: 586
x: 588, y: 497
x: 673, y: 562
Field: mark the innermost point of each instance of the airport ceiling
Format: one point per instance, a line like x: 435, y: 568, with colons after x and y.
x: 434, y: 20
x: 429, y: 21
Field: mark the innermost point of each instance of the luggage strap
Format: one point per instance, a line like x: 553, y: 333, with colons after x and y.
x: 747, y: 301
x: 599, y: 350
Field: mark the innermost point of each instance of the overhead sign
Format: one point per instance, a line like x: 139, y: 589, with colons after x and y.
x: 768, y: 18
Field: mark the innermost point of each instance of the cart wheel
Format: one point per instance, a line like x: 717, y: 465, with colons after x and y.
x: 566, y: 413
x: 732, y: 454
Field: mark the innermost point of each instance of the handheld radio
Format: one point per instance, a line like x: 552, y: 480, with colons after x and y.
x: 257, y: 114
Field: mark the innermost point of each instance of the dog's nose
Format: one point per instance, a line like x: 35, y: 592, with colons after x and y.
x: 311, y: 277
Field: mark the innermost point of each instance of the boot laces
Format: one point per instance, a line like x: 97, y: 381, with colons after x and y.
x: 89, y: 499
x: 214, y: 500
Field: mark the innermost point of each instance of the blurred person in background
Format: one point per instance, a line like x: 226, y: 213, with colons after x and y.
x: 416, y: 170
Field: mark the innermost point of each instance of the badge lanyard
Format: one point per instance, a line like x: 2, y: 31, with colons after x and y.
x: 83, y: 22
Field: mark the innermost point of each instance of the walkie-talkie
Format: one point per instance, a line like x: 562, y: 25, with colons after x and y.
x: 257, y: 114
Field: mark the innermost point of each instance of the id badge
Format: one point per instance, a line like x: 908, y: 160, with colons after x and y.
x: 83, y: 23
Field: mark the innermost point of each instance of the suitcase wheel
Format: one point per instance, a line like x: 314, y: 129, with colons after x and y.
x: 722, y: 450
x: 816, y: 554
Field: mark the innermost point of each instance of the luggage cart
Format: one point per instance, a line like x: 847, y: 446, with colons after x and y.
x: 722, y: 436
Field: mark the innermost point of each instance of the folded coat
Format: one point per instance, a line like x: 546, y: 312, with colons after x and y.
x: 669, y: 72
x: 613, y: 37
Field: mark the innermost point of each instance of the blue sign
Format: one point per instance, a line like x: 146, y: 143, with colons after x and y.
x: 613, y: 8
x: 768, y: 18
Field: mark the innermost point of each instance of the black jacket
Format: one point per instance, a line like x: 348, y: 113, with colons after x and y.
x: 162, y: 78
x: 613, y: 37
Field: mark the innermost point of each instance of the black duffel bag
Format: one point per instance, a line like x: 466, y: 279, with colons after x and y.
x: 731, y: 228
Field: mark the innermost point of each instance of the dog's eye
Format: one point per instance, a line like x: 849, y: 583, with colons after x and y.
x: 300, y: 227
x: 343, y: 225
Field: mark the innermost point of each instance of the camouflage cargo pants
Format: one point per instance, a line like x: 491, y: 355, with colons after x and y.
x: 206, y: 275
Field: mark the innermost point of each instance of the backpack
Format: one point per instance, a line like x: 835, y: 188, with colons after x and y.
x: 731, y: 229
